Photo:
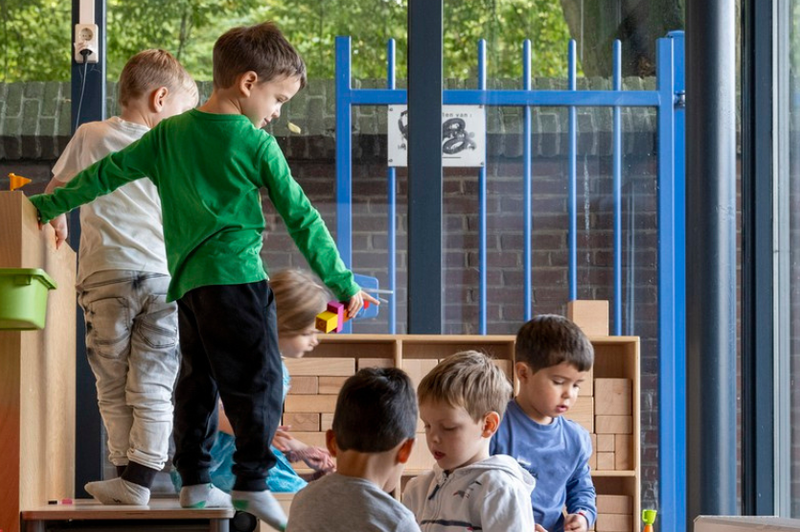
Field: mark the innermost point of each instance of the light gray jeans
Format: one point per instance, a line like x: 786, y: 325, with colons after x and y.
x: 132, y: 346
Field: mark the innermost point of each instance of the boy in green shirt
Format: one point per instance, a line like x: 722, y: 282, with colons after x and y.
x: 209, y: 166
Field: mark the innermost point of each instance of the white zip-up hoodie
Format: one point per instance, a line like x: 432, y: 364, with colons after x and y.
x: 492, y: 495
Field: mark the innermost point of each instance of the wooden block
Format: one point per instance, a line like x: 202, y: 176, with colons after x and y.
x: 310, y: 403
x: 613, y: 424
x: 593, y: 456
x: 375, y: 363
x: 613, y: 397
x: 331, y: 385
x: 303, y: 385
x: 417, y: 368
x: 605, y: 461
x: 614, y: 504
x: 623, y: 452
x: 315, y: 439
x: 587, y: 387
x: 343, y: 367
x: 605, y: 443
x: 614, y: 523
x: 302, y: 421
x: 582, y: 412
x: 590, y: 316
x: 326, y: 422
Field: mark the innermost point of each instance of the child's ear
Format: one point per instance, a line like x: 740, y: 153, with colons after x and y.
x: 158, y: 98
x: 404, y: 452
x: 491, y: 422
x: 523, y: 371
x: 247, y: 81
x: 330, y: 442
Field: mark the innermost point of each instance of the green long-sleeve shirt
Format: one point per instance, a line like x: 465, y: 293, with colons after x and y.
x: 209, y: 170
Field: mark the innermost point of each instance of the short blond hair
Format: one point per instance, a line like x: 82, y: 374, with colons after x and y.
x: 150, y: 69
x: 467, y: 379
x: 299, y: 297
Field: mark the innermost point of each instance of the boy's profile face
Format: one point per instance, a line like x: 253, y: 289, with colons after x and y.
x: 266, y: 99
x: 549, y: 392
x: 454, y: 438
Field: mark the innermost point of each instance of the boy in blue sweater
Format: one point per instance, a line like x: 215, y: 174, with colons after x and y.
x: 553, y: 358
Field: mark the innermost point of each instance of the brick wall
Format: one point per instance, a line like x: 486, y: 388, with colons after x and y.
x: 35, y: 127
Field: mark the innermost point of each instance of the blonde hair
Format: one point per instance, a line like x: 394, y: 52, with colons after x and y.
x: 298, y: 299
x: 150, y: 69
x: 467, y: 379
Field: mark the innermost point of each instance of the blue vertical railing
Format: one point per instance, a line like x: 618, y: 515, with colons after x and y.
x: 667, y: 100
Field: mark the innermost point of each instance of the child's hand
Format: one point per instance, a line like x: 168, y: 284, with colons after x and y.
x: 539, y: 528
x: 576, y: 523
x: 357, y: 301
x: 59, y: 223
x: 285, y: 442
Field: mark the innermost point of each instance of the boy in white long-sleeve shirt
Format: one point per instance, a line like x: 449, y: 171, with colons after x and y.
x: 461, y: 403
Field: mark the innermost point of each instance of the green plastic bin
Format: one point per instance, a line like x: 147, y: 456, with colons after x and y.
x: 23, y: 298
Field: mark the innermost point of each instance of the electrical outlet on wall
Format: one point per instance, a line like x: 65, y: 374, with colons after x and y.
x: 86, y: 39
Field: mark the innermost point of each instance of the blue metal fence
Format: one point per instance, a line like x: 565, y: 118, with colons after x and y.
x: 667, y: 99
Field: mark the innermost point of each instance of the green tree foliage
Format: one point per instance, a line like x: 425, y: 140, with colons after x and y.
x: 37, y: 34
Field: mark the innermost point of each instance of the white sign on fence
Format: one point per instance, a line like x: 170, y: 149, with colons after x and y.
x: 463, y: 135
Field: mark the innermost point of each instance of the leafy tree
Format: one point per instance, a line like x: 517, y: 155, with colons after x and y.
x: 37, y: 34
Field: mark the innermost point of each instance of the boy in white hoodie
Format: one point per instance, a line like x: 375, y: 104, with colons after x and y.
x: 461, y: 403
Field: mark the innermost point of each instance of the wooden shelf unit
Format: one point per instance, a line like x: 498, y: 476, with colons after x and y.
x: 317, y: 378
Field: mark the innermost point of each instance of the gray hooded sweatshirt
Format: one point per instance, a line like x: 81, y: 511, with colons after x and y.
x: 492, y: 495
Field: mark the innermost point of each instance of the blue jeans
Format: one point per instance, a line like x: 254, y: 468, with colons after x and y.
x: 131, y: 343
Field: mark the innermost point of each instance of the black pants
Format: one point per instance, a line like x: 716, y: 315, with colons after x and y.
x: 229, y: 349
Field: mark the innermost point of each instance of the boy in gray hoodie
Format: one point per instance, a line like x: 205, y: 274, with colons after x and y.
x: 461, y: 403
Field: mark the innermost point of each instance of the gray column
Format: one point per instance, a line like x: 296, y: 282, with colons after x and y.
x: 711, y: 257
x: 425, y: 166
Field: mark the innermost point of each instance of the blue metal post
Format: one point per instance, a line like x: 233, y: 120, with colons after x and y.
x: 482, y: 202
x: 88, y: 105
x: 617, y: 86
x: 344, y: 154
x: 672, y: 406
x: 572, y: 207
x: 391, y: 186
x: 526, y: 183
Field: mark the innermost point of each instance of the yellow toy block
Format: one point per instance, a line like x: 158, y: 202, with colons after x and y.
x: 326, y: 321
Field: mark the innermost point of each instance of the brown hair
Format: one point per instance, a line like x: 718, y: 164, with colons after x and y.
x: 548, y: 340
x: 261, y: 48
x: 149, y: 70
x: 468, y: 379
x: 298, y: 299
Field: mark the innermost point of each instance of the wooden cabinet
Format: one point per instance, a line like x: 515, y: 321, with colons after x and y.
x: 37, y: 373
x: 608, y: 406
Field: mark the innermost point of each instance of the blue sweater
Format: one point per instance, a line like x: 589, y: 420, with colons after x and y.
x: 557, y: 456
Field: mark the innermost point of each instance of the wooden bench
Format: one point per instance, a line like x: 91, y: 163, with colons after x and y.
x: 160, y: 514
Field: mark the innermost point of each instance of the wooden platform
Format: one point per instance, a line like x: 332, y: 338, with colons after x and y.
x: 163, y: 514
